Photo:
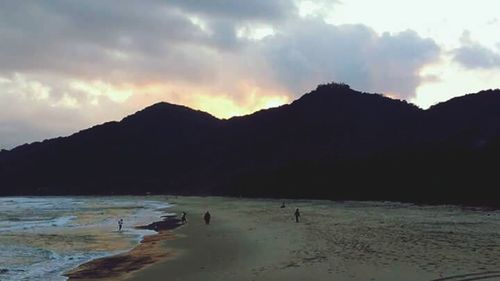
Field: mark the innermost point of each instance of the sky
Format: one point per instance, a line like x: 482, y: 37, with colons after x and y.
x: 68, y: 65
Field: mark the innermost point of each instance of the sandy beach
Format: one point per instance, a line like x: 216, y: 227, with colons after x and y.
x: 257, y: 240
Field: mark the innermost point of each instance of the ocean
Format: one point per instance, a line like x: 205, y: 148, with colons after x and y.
x: 43, y: 237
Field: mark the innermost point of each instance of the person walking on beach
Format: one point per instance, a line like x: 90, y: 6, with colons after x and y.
x: 297, y: 215
x: 120, y: 224
x: 283, y: 205
x: 207, y: 217
x: 183, y: 218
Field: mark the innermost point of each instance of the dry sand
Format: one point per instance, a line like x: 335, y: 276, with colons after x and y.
x: 257, y: 240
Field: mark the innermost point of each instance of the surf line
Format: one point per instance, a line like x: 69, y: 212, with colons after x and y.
x: 475, y: 276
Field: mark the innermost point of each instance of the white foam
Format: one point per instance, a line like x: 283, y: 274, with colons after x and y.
x: 35, y: 224
x: 52, y: 268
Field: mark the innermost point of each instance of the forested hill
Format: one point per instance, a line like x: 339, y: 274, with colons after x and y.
x: 332, y: 143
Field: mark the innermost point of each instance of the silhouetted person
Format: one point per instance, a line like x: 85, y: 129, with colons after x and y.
x: 283, y: 205
x: 120, y: 224
x: 207, y: 217
x: 183, y: 218
x: 297, y: 215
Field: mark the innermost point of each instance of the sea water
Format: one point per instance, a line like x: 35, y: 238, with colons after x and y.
x: 43, y: 237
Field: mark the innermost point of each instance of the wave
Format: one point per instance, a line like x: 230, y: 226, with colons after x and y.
x: 41, y: 238
x: 30, y: 223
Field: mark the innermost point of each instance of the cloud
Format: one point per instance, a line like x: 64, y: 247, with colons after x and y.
x: 257, y: 10
x: 31, y: 111
x: 311, y: 52
x: 67, y: 65
x: 475, y: 56
x: 126, y: 42
x: 133, y: 40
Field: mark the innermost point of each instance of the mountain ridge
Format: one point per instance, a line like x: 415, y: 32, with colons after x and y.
x: 332, y: 143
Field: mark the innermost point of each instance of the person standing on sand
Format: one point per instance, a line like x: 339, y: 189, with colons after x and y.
x: 120, y: 224
x: 283, y: 205
x: 207, y: 217
x: 297, y: 215
x: 183, y: 218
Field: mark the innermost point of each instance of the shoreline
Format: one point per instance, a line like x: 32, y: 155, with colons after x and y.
x: 146, y: 253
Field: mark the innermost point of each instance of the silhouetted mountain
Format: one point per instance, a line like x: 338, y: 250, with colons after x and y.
x: 333, y: 143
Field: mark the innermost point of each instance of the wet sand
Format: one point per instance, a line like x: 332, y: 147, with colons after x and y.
x: 117, y: 267
x: 257, y: 240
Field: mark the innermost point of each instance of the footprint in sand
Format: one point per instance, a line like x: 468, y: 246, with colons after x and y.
x: 487, y: 275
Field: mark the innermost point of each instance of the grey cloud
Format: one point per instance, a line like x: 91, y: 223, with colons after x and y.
x: 127, y: 39
x: 475, y: 56
x: 155, y: 40
x: 239, y: 10
x: 312, y: 52
x: 99, y: 38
